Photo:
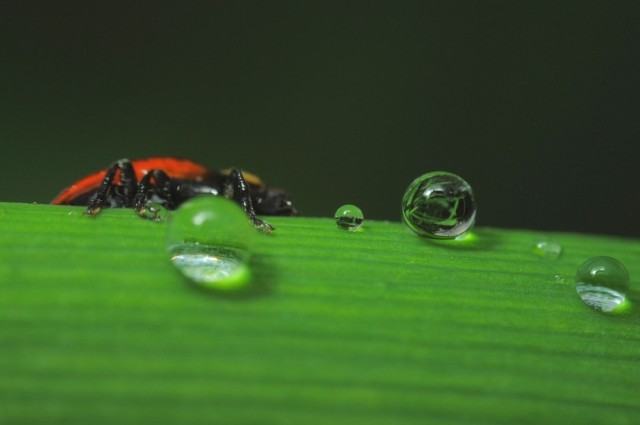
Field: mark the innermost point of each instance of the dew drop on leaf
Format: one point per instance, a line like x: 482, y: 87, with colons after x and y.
x: 439, y: 205
x: 154, y: 211
x: 602, y: 283
x: 547, y: 248
x: 559, y: 278
x: 349, y: 217
x: 209, y: 239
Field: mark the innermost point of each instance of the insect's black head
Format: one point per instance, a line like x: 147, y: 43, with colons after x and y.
x: 271, y: 201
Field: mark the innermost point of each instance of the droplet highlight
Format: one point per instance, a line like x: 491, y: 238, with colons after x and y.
x: 209, y: 239
x: 602, y: 283
x: 547, y: 248
x: 349, y: 217
x: 439, y: 205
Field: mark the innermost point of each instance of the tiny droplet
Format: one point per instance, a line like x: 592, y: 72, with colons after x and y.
x: 209, y: 239
x: 439, y: 205
x: 602, y: 283
x: 560, y: 278
x: 349, y: 217
x: 154, y: 211
x: 547, y: 248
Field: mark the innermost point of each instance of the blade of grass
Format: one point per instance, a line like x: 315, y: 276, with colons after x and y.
x: 375, y: 327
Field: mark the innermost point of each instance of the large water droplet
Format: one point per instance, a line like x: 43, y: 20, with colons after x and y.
x: 209, y: 265
x: 439, y: 205
x: 349, y: 217
x: 547, y: 248
x: 602, y: 283
x: 209, y: 239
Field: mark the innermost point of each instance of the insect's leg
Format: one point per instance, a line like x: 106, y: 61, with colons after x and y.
x: 127, y: 184
x: 155, y: 182
x: 238, y: 189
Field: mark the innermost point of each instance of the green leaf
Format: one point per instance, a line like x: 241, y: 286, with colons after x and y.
x: 372, y: 327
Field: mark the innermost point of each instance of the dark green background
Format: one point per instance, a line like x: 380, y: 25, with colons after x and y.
x: 536, y: 105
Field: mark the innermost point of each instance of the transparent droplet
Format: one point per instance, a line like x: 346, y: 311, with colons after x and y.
x: 154, y: 211
x: 547, y: 248
x: 349, y: 217
x: 560, y: 278
x: 602, y: 283
x: 209, y: 239
x: 439, y: 205
x: 210, y: 265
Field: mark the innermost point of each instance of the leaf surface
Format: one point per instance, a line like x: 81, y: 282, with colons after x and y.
x: 376, y: 326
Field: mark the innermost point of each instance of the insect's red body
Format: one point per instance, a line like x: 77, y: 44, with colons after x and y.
x: 182, y: 169
x: 171, y: 181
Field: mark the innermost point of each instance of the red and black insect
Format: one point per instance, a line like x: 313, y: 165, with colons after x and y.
x: 169, y: 182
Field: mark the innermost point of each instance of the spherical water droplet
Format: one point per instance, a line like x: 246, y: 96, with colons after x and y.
x: 602, y: 283
x: 349, y: 217
x: 547, y: 248
x: 439, y: 205
x: 154, y: 211
x: 209, y: 239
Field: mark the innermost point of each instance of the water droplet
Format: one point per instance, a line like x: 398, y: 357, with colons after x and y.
x: 439, y: 205
x: 547, y: 248
x: 209, y: 239
x: 154, y: 211
x: 602, y: 283
x: 560, y: 278
x: 212, y: 266
x: 349, y: 217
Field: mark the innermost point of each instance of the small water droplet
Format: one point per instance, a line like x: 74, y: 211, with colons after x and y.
x: 602, y: 283
x: 547, y: 248
x: 560, y: 278
x: 154, y: 211
x: 349, y: 217
x: 209, y: 239
x: 439, y: 205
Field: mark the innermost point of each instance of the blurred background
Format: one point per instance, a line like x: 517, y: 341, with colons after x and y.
x: 536, y: 105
